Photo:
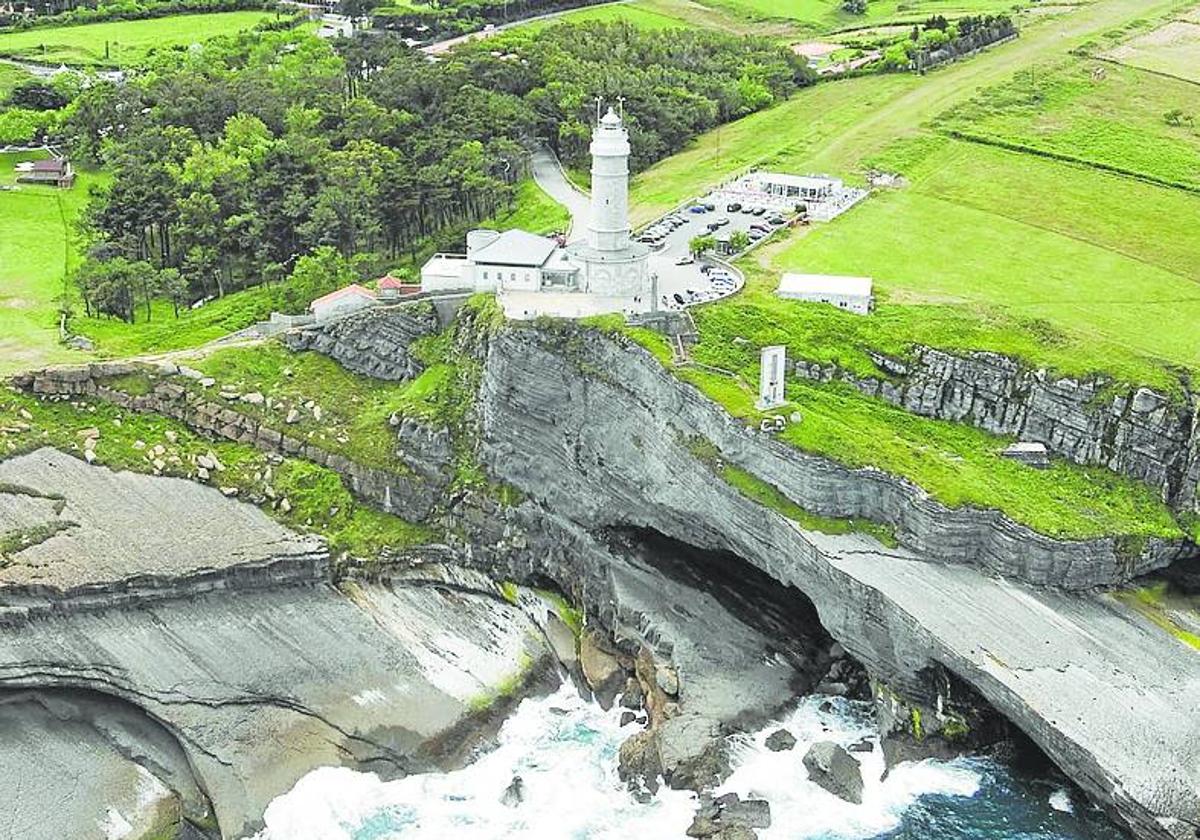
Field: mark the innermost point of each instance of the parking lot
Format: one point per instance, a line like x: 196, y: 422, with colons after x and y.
x: 700, y: 281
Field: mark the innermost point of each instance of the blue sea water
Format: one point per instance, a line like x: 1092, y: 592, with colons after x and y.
x: 565, y: 751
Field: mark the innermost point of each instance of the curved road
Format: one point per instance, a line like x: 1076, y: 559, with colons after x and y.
x: 549, y: 175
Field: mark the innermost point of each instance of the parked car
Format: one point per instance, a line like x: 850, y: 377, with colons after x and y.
x: 710, y: 206
x: 685, y: 261
x: 696, y: 208
x: 679, y: 299
x: 756, y: 235
x: 758, y: 211
x: 777, y: 220
x: 721, y: 222
x: 733, y: 206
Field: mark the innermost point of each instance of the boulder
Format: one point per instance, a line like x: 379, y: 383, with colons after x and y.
x: 692, y: 752
x: 751, y: 813
x: 831, y: 767
x: 514, y: 794
x: 601, y: 670
x: 780, y: 740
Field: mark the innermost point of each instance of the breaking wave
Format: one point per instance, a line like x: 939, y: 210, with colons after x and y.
x: 564, y: 749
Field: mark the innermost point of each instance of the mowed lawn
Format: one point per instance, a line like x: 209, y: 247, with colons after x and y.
x: 1101, y: 113
x: 119, y: 43
x: 644, y: 15
x: 1083, y: 260
x: 36, y: 248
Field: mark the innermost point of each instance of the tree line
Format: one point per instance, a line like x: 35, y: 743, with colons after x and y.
x: 50, y: 13
x: 232, y: 162
x: 435, y: 20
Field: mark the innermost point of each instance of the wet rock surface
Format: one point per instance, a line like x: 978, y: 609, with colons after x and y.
x: 831, y: 767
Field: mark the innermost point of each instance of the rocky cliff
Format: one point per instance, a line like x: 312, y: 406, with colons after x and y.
x: 596, y: 433
x: 1136, y: 432
x: 198, y: 659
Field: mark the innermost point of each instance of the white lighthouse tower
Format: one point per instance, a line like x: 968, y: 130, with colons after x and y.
x: 613, y: 269
x: 609, y: 227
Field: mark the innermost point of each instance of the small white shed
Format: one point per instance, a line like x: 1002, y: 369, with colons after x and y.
x: 852, y: 294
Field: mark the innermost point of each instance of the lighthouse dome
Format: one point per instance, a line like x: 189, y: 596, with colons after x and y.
x: 611, y: 120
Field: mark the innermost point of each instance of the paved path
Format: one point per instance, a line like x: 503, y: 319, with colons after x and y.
x: 548, y: 174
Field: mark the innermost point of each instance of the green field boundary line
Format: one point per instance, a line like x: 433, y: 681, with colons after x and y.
x: 1011, y: 146
x: 1160, y: 73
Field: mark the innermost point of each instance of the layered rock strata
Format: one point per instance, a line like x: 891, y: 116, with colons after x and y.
x: 172, y: 626
x: 1133, y: 431
x: 596, y: 434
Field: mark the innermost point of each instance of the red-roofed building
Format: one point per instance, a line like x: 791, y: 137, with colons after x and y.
x: 391, y: 287
x: 342, y: 302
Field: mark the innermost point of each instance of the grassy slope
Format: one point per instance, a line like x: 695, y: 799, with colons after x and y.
x: 957, y: 464
x: 128, y: 41
x: 318, y: 499
x: 828, y: 15
x: 1114, y: 120
x: 354, y: 409
x: 36, y: 248
x: 164, y: 332
x: 10, y: 77
x: 533, y: 210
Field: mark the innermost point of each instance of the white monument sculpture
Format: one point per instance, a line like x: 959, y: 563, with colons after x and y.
x: 532, y: 275
x: 770, y: 383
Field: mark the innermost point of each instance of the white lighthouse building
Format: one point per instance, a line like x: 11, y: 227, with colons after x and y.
x: 532, y: 275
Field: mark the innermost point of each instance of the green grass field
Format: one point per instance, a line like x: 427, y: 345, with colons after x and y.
x: 645, y: 15
x: 828, y: 15
x: 1097, y: 112
x: 532, y: 210
x: 121, y: 43
x: 10, y: 77
x: 37, y: 246
x: 783, y: 137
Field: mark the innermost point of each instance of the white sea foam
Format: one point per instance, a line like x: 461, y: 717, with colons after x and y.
x: 1060, y: 801
x: 563, y: 748
x: 565, y: 751
x: 802, y: 809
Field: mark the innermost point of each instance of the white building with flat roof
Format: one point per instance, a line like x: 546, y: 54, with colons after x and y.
x: 533, y: 275
x: 853, y: 294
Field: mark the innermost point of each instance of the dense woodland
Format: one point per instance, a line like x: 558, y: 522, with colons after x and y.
x: 232, y: 162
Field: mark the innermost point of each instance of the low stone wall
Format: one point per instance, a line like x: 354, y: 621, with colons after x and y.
x: 1135, y: 432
